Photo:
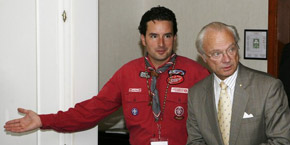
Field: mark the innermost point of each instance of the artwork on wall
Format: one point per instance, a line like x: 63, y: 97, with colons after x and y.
x: 255, y: 44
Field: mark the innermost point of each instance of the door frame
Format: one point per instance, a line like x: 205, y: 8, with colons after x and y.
x: 278, y: 33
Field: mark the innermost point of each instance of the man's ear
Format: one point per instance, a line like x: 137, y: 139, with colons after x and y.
x: 203, y: 57
x: 143, y: 40
x: 175, y: 44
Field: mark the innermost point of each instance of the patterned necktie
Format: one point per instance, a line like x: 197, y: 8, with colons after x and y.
x: 224, y: 113
x: 154, y: 92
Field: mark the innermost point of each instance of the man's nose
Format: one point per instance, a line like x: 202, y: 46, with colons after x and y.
x: 161, y: 42
x: 226, y: 57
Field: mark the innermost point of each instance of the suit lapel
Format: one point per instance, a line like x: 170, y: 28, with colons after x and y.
x: 211, y: 110
x: 239, y: 104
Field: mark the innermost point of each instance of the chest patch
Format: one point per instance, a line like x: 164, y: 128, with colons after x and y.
x: 179, y: 111
x: 134, y: 111
x: 144, y: 75
x: 177, y: 72
x: 175, y: 79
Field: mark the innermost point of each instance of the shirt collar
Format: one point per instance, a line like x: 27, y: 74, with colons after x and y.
x: 229, y: 81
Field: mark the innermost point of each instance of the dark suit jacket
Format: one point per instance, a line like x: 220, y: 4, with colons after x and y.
x: 255, y: 93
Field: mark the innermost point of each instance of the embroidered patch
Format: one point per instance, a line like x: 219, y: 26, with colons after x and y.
x: 179, y: 111
x: 136, y: 90
x: 178, y: 117
x: 177, y: 72
x: 175, y: 79
x: 144, y: 75
x: 179, y: 90
x: 134, y: 111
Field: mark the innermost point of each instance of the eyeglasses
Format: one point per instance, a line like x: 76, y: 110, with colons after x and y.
x: 231, y: 51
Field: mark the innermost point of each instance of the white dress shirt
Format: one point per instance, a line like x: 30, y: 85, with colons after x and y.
x: 230, y: 82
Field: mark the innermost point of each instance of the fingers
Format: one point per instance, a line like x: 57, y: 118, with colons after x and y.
x: 13, y: 126
x: 12, y: 122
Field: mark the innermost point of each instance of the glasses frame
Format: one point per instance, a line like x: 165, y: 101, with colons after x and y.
x: 224, y: 52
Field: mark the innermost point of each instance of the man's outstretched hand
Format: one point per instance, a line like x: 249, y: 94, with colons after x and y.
x: 29, y: 122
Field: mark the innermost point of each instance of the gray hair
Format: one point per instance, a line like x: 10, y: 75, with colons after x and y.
x: 218, y: 26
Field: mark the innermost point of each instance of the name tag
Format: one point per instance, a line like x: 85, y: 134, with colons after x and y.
x: 159, y: 143
x: 135, y: 89
x: 179, y: 90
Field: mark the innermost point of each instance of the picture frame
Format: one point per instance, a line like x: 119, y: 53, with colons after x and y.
x: 255, y: 44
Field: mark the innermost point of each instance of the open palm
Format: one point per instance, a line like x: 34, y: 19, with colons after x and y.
x: 29, y: 122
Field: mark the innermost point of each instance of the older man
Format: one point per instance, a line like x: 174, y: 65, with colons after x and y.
x: 235, y: 105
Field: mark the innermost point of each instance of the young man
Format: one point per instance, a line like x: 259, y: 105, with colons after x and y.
x: 235, y: 105
x: 152, y: 91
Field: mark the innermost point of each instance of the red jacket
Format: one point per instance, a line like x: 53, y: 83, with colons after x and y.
x: 128, y: 88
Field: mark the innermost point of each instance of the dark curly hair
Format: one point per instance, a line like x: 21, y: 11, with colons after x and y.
x: 157, y: 13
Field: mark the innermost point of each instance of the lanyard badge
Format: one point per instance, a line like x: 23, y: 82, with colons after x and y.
x: 159, y: 143
x: 160, y: 140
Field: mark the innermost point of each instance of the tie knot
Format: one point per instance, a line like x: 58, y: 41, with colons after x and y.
x: 223, y: 85
x: 154, y: 73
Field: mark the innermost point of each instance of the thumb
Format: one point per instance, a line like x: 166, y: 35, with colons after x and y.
x: 21, y: 110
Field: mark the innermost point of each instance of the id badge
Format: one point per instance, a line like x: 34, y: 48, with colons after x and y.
x: 157, y: 141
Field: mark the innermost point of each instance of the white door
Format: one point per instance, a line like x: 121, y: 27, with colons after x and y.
x: 47, y: 64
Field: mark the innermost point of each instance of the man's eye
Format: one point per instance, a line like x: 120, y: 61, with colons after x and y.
x: 167, y: 36
x: 216, y: 54
x: 153, y: 36
x: 231, y: 50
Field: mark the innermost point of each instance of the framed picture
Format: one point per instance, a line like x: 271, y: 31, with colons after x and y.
x: 255, y: 44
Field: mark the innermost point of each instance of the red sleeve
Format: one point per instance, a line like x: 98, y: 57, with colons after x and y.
x: 88, y: 113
